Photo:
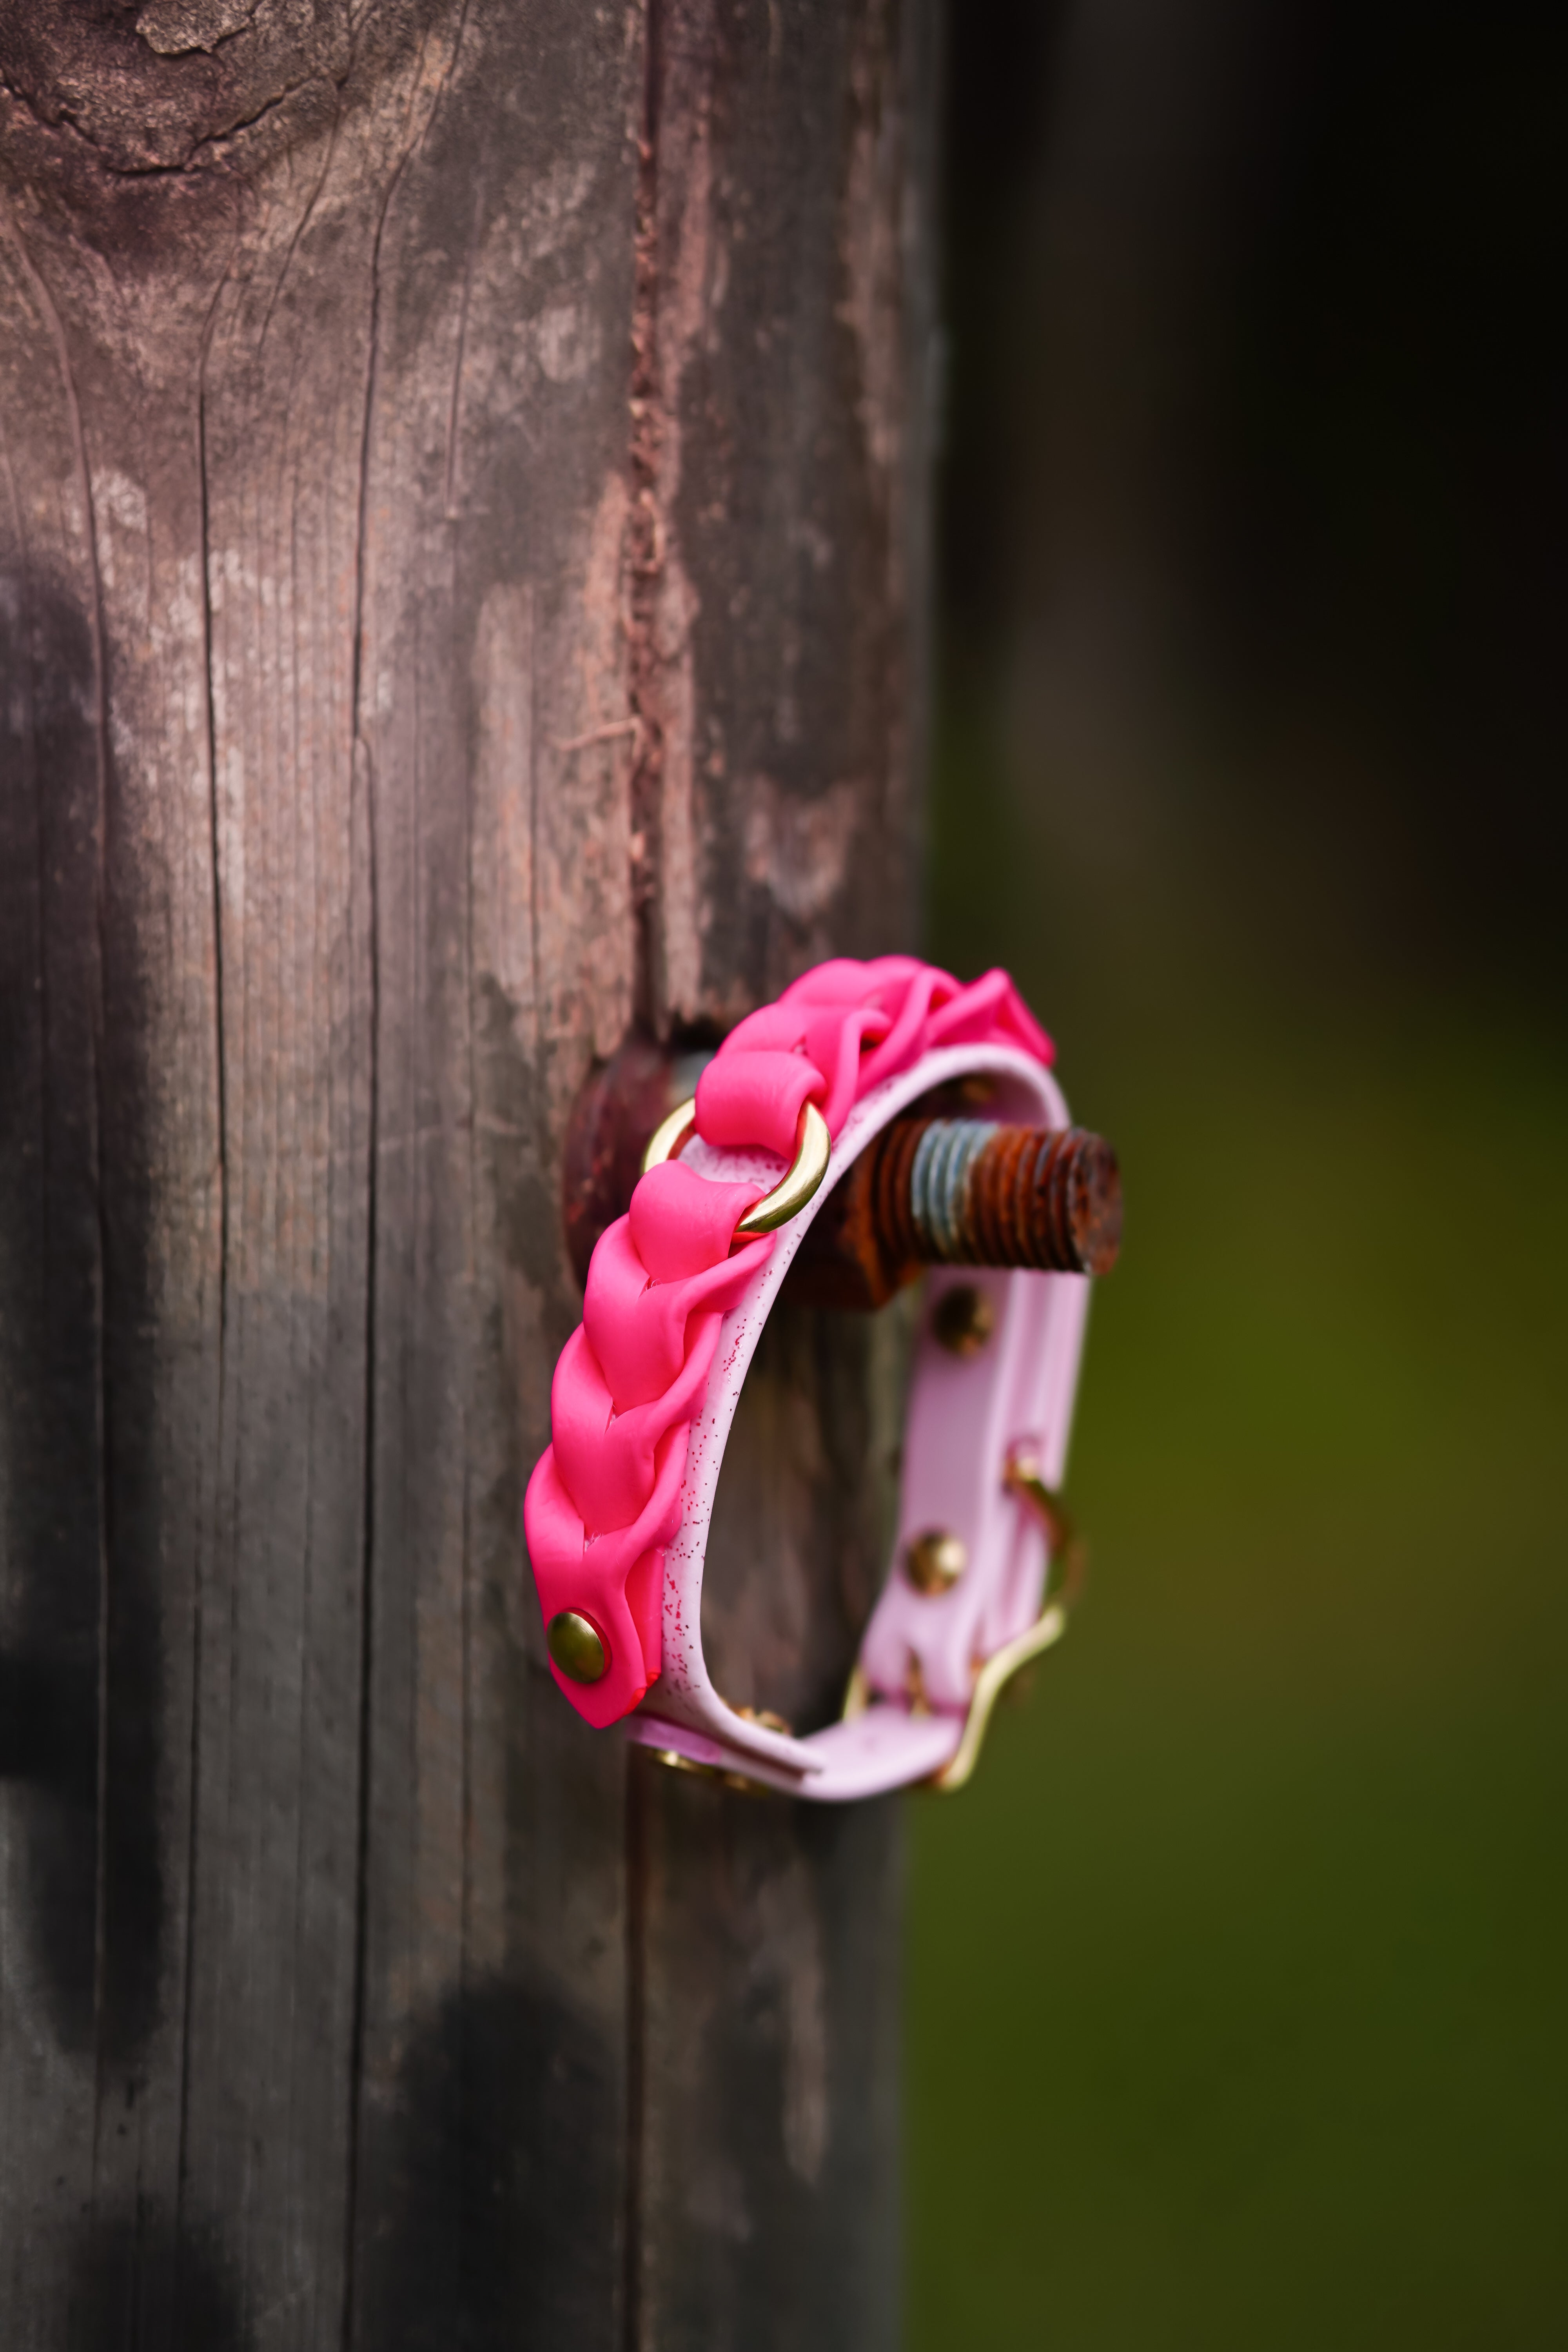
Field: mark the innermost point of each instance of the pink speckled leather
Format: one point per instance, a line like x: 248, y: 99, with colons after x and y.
x: 617, y: 1509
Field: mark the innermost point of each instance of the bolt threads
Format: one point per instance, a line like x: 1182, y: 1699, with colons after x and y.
x: 963, y: 1191
x: 952, y: 1192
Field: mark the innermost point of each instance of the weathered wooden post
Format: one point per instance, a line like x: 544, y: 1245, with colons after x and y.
x: 461, y: 564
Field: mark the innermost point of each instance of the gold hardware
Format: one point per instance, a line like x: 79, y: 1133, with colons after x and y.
x: 670, y: 1135
x: 934, y: 1561
x: 767, y: 1719
x: 963, y: 1319
x: 813, y: 1147
x: 761, y: 1715
x: 1022, y: 1476
x: 1064, y: 1577
x: 672, y: 1758
x: 577, y: 1646
x: 800, y: 1183
x: 989, y: 1684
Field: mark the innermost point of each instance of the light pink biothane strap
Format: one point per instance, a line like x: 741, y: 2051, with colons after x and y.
x: 618, y: 1507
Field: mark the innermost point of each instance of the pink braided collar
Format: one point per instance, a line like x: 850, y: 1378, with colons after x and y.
x: 621, y: 1481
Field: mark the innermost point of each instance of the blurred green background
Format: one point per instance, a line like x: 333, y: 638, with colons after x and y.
x: 1238, y: 1978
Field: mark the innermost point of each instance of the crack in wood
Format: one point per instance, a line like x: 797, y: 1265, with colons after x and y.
x: 645, y: 552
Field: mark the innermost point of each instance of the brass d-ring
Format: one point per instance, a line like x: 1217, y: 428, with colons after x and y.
x: 803, y: 1180
x: 669, y: 1135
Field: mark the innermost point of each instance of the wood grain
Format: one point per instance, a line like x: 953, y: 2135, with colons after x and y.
x: 460, y: 572
x: 792, y: 338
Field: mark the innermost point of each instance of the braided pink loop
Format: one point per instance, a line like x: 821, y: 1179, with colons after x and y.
x: 604, y: 1498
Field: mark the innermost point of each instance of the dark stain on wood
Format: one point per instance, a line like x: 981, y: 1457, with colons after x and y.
x: 137, y: 2279
x: 81, y: 1663
x: 483, y: 2227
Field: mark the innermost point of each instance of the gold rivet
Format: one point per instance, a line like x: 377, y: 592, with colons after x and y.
x: 934, y: 1561
x: 577, y: 1646
x: 963, y: 1319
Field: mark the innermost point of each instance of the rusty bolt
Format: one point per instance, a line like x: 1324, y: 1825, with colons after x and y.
x: 962, y: 1191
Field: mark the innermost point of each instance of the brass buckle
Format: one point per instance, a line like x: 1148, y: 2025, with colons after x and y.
x: 743, y: 1783
x: 1064, y: 1581
x: 800, y: 1183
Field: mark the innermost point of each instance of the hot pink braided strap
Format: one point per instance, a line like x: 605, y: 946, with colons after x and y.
x: 618, y: 1507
